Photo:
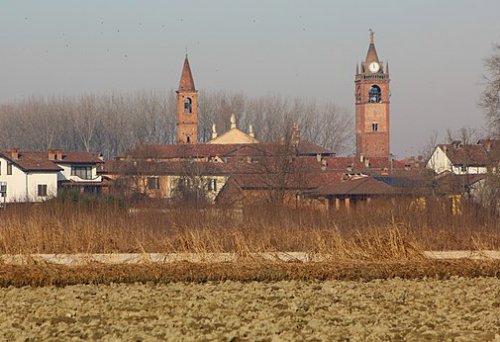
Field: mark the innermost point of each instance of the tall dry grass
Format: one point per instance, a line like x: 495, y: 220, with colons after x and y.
x: 379, y: 231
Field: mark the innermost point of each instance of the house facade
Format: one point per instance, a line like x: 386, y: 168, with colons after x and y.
x: 35, y: 176
x: 463, y: 159
x: 27, y: 178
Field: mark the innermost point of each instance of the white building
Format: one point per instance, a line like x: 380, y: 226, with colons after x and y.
x: 460, y: 159
x: 37, y: 176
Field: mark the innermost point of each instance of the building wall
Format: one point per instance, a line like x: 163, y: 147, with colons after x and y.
x: 65, y: 174
x: 369, y: 143
x: 439, y: 162
x: 469, y: 170
x: 23, y: 187
x: 168, y: 184
x: 34, y: 179
x: 187, y: 123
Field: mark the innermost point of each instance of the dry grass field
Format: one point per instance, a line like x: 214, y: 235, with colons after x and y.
x: 376, y: 284
x: 381, y: 231
x: 379, y: 241
x: 458, y: 309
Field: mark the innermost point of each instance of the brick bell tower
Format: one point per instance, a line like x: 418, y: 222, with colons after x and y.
x: 187, y: 107
x: 372, y: 105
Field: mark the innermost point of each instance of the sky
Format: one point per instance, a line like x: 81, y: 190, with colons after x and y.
x: 435, y: 48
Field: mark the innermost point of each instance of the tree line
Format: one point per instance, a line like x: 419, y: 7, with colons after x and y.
x: 112, y: 123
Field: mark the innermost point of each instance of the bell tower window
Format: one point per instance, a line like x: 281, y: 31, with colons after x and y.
x: 188, y: 105
x: 375, y: 95
x: 374, y: 127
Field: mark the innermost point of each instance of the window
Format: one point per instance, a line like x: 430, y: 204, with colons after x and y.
x: 153, y: 183
x: 188, y: 105
x: 184, y: 183
x: 212, y: 185
x: 83, y: 172
x: 375, y: 95
x: 374, y: 127
x: 463, y: 168
x: 9, y: 168
x: 42, y: 190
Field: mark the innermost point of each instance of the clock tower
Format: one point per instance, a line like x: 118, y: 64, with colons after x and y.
x: 372, y: 97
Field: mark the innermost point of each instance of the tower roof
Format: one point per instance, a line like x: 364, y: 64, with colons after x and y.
x: 186, y: 83
x: 371, y: 55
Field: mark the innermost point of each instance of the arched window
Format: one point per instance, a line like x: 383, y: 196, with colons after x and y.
x: 188, y: 105
x: 375, y: 95
x: 188, y: 140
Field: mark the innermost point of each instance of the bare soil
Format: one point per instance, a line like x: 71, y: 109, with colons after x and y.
x: 457, y: 309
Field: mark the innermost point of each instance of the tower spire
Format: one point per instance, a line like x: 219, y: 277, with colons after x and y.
x: 186, y: 83
x: 371, y: 55
x: 187, y: 107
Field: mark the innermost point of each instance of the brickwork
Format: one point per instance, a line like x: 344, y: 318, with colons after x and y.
x: 372, y: 116
x: 187, y: 108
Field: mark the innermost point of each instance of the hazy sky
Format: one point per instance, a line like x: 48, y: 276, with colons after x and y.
x: 291, y: 48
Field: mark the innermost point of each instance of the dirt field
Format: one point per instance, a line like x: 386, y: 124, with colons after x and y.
x: 458, y: 309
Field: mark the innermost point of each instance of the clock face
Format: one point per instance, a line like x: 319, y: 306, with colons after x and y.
x: 374, y: 67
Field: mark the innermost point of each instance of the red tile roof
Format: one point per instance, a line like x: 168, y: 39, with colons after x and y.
x: 30, y: 161
x: 220, y: 150
x: 355, y: 163
x: 71, y: 157
x: 39, y: 161
x: 471, y: 155
x: 358, y: 186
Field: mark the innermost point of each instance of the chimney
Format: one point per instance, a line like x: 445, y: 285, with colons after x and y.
x: 52, y: 155
x: 250, y: 131
x: 59, y: 154
x: 214, y: 132
x: 233, y: 121
x: 14, y: 153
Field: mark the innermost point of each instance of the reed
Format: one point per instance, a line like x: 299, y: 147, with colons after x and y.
x: 379, y: 231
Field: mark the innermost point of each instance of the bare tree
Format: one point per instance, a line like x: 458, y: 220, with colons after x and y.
x: 490, y: 99
x: 429, y: 146
x: 464, y: 135
x: 112, y: 123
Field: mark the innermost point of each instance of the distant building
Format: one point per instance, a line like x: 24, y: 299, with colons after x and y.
x: 33, y: 176
x: 187, y: 107
x: 234, y: 135
x: 461, y: 159
x: 372, y: 98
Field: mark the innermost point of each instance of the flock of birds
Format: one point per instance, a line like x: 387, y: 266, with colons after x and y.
x: 67, y: 45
